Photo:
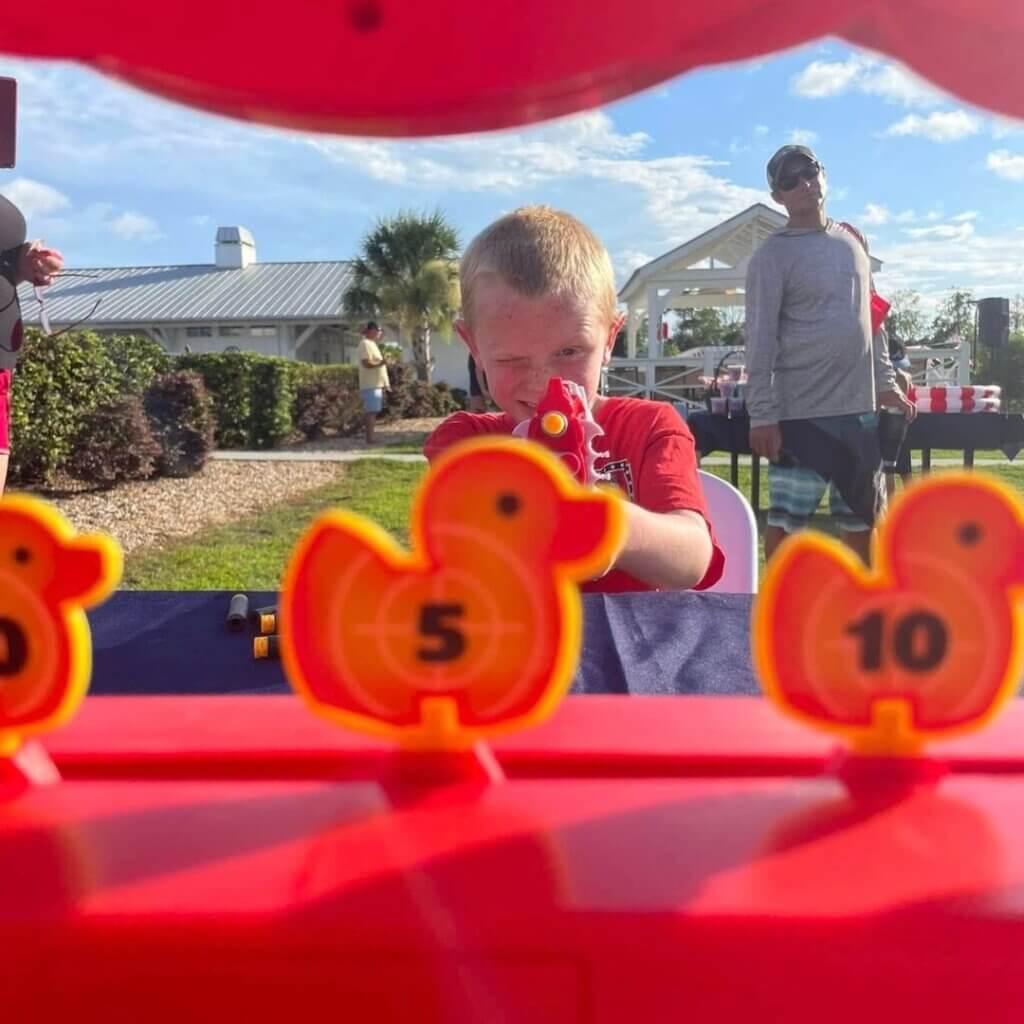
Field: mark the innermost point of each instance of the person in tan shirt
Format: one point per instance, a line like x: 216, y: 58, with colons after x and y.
x: 373, y: 377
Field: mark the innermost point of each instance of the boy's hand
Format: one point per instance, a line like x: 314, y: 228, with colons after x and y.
x: 766, y: 441
x: 38, y: 265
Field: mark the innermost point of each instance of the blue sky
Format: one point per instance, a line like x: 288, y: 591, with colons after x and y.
x: 114, y: 177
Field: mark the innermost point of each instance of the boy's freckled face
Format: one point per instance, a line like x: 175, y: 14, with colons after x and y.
x: 523, y: 342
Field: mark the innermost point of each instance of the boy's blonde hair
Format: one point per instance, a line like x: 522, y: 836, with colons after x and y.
x: 540, y: 251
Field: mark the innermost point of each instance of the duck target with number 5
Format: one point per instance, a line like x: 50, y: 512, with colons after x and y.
x: 483, y: 612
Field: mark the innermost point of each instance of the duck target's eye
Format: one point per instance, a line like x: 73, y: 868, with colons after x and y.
x: 968, y: 533
x: 508, y: 504
x: 22, y: 555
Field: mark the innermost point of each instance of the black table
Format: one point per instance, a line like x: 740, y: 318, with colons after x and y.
x: 966, y: 432
x: 150, y: 642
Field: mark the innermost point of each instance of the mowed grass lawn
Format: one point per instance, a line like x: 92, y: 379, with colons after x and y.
x: 250, y: 554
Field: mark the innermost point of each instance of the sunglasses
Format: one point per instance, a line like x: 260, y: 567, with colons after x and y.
x: 788, y: 182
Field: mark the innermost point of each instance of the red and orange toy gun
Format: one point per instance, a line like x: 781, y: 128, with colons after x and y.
x: 564, y: 424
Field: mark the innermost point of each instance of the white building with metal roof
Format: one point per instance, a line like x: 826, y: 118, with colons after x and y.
x: 294, y: 309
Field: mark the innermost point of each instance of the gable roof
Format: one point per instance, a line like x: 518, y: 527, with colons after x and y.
x: 300, y: 291
x: 730, y: 243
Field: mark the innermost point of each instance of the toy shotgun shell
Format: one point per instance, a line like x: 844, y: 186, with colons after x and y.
x: 238, y: 612
x: 264, y: 620
x: 265, y: 647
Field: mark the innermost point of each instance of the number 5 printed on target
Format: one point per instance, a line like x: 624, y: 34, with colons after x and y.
x: 476, y: 629
x: 927, y: 645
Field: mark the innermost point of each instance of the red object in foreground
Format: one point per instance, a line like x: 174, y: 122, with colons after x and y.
x: 648, y: 859
x: 372, y: 67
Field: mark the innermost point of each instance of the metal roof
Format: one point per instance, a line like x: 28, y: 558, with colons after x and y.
x: 198, y: 293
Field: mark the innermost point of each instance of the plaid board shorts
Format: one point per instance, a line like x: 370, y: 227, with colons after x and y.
x: 795, y: 491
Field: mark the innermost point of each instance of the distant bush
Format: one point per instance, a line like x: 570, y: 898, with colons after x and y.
x: 138, y: 360
x: 114, y: 444
x: 327, y: 401
x: 57, y: 383
x: 180, y: 412
x: 273, y: 398
x: 410, y: 398
x: 253, y: 396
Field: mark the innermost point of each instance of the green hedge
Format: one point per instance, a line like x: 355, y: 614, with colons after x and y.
x: 257, y: 401
x: 229, y: 379
x: 59, y: 382
x: 253, y: 396
x: 327, y: 400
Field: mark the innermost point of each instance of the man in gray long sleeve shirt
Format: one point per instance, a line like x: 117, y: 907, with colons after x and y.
x: 810, y: 351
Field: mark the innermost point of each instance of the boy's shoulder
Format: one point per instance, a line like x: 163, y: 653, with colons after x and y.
x: 633, y: 413
x: 461, y: 426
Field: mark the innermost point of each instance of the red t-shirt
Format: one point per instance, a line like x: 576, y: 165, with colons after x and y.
x: 647, y: 451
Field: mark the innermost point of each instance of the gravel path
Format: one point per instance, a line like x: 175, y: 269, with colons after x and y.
x: 153, y: 511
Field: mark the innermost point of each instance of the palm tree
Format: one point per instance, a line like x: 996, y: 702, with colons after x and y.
x: 408, y: 275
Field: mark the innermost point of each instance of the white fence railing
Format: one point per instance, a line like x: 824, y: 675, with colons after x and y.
x: 677, y: 379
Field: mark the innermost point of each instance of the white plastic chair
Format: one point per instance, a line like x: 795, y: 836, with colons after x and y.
x: 736, y: 529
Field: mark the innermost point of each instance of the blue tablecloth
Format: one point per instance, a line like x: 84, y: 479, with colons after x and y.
x: 177, y: 642
x: 966, y: 432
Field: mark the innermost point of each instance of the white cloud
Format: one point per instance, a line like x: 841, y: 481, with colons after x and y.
x: 802, y: 137
x: 965, y: 216
x: 33, y: 198
x: 200, y: 220
x: 135, y: 227
x: 761, y: 129
x: 1006, y: 164
x: 906, y: 217
x: 874, y: 214
x: 683, y: 195
x: 627, y: 260
x: 942, y: 126
x: 821, y: 79
x: 932, y: 259
x: 895, y: 84
x: 505, y: 161
x: 858, y: 73
x: 947, y: 231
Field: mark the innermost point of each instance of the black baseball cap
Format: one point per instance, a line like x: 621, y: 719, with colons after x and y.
x: 778, y: 162
x: 371, y: 325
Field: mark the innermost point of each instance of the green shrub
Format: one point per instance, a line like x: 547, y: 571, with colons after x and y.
x: 138, y: 360
x: 114, y: 444
x: 327, y: 400
x: 273, y: 398
x: 180, y: 412
x: 57, y: 383
x: 228, y: 378
x: 253, y: 396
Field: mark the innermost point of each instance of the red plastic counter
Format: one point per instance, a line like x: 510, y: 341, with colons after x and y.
x: 235, y: 859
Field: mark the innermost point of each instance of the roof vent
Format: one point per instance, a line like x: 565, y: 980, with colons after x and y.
x: 235, y: 248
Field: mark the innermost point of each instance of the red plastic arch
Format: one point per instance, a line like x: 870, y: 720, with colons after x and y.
x: 405, y: 68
